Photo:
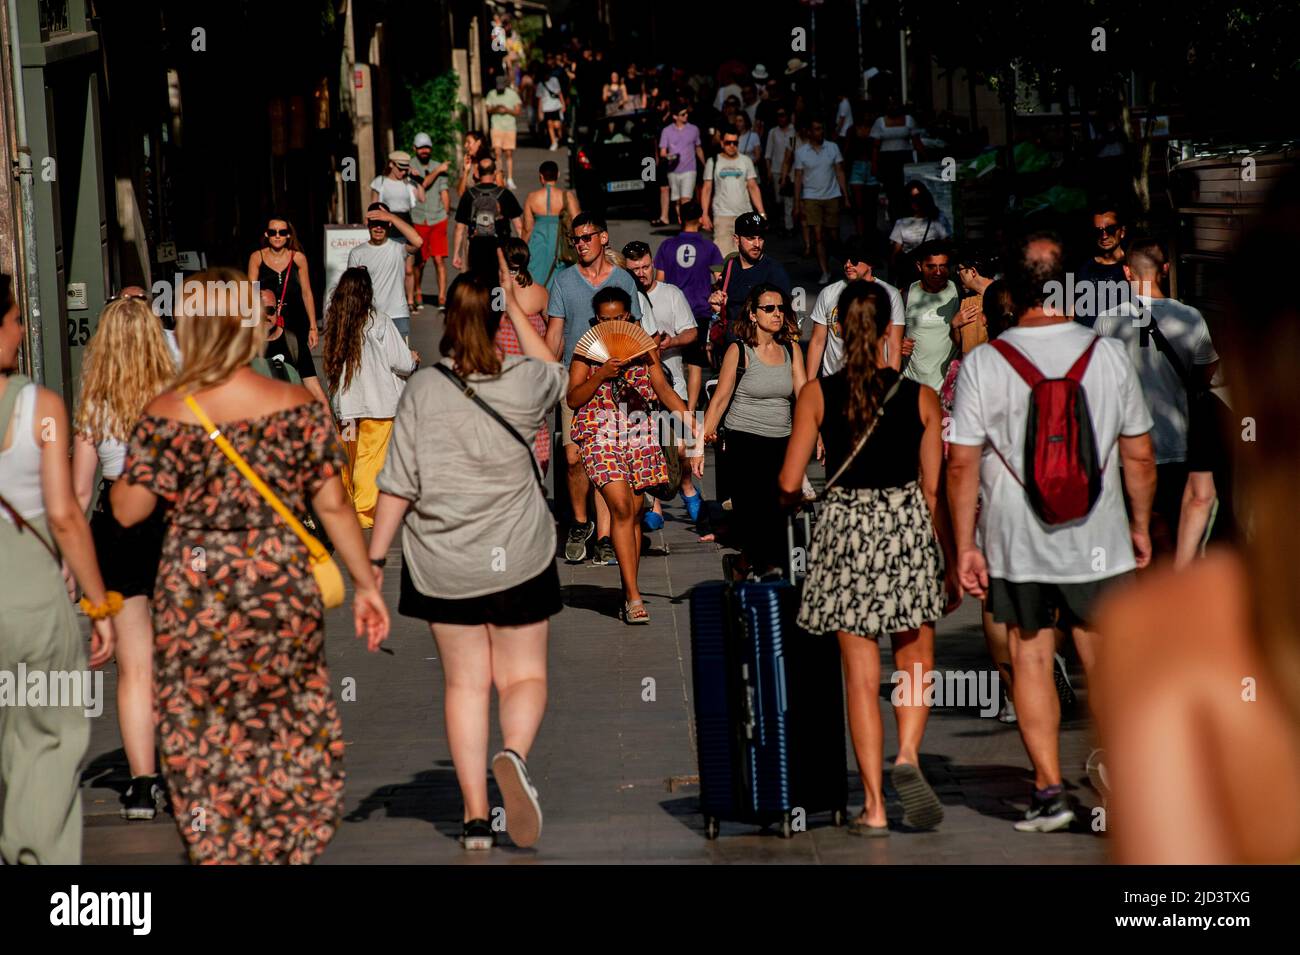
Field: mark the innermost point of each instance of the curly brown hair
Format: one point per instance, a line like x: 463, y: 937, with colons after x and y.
x: 864, y: 314
x: 345, y: 324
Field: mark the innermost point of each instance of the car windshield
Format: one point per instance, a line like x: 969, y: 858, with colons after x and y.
x: 625, y: 128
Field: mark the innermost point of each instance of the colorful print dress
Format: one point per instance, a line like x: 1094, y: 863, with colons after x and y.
x: 615, y: 434
x: 250, y: 736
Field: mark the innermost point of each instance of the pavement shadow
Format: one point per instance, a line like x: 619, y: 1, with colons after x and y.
x: 602, y: 600
x: 432, y: 796
x: 686, y: 810
x: 108, y: 770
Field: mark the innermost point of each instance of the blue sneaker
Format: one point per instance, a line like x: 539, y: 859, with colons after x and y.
x: 652, y: 521
x: 692, y: 506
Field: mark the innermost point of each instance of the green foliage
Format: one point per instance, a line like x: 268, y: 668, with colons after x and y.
x: 436, y: 111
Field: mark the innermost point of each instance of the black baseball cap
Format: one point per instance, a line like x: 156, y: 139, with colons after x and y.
x: 751, y: 224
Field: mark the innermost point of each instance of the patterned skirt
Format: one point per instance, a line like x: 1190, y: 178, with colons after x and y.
x: 875, y: 565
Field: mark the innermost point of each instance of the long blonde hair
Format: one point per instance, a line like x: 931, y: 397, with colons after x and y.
x: 127, y: 363
x: 218, y: 326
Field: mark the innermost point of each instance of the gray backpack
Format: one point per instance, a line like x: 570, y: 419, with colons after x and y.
x: 485, y: 210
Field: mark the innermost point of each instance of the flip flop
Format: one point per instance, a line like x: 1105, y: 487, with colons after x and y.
x: 860, y: 828
x: 921, y: 807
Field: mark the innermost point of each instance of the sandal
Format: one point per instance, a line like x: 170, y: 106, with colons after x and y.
x: 657, y: 223
x: 860, y: 827
x: 634, y: 613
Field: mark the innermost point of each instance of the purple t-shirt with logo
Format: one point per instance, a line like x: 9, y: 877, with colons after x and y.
x: 686, y: 260
x: 682, y: 142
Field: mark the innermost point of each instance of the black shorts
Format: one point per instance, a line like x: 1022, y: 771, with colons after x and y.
x: 694, y: 353
x: 128, y: 556
x: 553, y: 115
x: 530, y: 602
x: 1031, y: 605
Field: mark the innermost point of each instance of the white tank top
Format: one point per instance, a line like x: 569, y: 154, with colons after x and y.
x: 112, y: 455
x: 20, y: 463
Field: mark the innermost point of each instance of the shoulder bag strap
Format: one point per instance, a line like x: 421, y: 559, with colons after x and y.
x: 862, y: 441
x: 314, y: 546
x: 472, y: 395
x: 1166, y: 349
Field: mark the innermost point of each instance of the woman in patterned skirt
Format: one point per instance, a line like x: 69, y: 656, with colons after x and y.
x: 250, y: 736
x: 876, y: 565
x: 622, y: 460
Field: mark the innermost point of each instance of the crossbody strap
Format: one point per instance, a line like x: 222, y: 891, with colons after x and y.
x: 317, y: 549
x: 1165, y: 348
x: 862, y: 441
x: 472, y: 395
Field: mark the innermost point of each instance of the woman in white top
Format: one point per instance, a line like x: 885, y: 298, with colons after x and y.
x: 42, y: 744
x: 924, y: 223
x: 127, y: 364
x: 366, y: 364
x: 895, y: 139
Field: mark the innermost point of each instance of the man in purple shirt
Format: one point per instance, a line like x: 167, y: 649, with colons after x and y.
x: 680, y: 142
x: 687, y: 260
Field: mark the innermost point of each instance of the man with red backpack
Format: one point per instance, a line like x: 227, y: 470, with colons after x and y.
x: 1060, y: 409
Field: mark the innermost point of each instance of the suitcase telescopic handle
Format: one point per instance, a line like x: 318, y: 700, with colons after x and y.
x: 751, y: 720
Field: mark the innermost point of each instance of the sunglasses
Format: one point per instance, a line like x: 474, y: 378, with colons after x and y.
x: 270, y: 310
x: 282, y: 233
x: 769, y: 309
x: 730, y: 142
x: 1108, y: 229
x: 584, y: 238
x: 128, y: 298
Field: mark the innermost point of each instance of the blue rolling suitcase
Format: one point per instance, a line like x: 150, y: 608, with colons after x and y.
x: 769, y: 709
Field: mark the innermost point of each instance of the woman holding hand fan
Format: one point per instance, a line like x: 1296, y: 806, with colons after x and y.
x: 616, y: 374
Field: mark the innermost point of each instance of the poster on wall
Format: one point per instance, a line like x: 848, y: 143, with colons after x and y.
x: 339, y: 241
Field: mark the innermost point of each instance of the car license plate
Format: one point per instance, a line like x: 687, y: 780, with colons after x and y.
x: 624, y: 185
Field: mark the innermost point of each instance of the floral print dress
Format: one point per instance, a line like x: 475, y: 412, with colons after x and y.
x: 250, y: 736
x: 615, y: 432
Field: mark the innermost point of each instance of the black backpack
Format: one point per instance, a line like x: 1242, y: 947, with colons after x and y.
x: 485, y: 210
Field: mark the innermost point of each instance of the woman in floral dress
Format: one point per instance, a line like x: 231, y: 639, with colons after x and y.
x: 249, y: 733
x: 621, y: 456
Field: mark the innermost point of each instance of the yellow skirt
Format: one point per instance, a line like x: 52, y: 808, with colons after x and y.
x: 366, y: 453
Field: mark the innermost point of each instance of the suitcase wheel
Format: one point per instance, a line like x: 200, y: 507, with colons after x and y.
x: 839, y: 817
x: 711, y: 828
x: 787, y: 831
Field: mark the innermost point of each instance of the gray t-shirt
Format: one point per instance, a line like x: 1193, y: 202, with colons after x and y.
x: 1166, y: 396
x: 478, y: 524
x: 570, y: 299
x: 431, y: 211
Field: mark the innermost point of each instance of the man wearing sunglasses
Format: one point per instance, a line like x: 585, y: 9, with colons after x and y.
x: 384, y: 257
x: 1104, y: 265
x: 730, y: 191
x: 569, y: 316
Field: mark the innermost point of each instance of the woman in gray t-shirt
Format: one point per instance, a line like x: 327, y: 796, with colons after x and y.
x: 761, y: 375
x: 478, y: 546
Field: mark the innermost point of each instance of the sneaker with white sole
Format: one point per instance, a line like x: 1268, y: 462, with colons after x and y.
x: 1046, y: 815
x: 476, y: 835
x: 575, y: 547
x: 1095, y: 767
x: 142, y: 799
x: 523, y: 811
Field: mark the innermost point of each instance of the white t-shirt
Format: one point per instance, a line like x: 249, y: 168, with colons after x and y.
x: 778, y: 141
x: 894, y: 139
x: 397, y: 194
x: 671, y: 314
x: 843, y: 118
x: 549, y: 93
x: 749, y: 143
x: 911, y: 231
x: 386, y: 264
x: 824, y: 313
x: 1166, y: 396
x: 992, y: 406
x: 731, y: 89
x: 730, y: 184
x: 818, y: 167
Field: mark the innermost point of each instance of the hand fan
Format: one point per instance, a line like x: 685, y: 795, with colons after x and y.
x: 618, y: 340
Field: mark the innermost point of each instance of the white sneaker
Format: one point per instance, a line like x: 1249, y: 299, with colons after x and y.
x: 554, y: 147
x: 510, y: 184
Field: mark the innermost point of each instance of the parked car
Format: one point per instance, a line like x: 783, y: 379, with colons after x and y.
x: 612, y: 163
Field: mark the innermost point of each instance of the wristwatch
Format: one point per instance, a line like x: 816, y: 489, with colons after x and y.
x: 379, y: 561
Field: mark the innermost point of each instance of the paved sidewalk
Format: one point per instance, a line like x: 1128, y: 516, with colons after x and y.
x: 614, y: 770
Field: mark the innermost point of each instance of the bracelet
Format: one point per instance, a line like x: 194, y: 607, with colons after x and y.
x: 111, y: 606
x: 379, y: 561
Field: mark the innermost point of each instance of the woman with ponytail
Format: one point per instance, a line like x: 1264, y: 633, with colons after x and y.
x: 877, y: 561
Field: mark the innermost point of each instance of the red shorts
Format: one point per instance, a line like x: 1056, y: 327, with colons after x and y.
x: 435, y: 240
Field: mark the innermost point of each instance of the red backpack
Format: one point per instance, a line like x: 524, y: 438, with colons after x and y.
x: 1062, y: 469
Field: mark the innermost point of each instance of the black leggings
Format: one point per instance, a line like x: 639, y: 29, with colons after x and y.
x: 754, y: 463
